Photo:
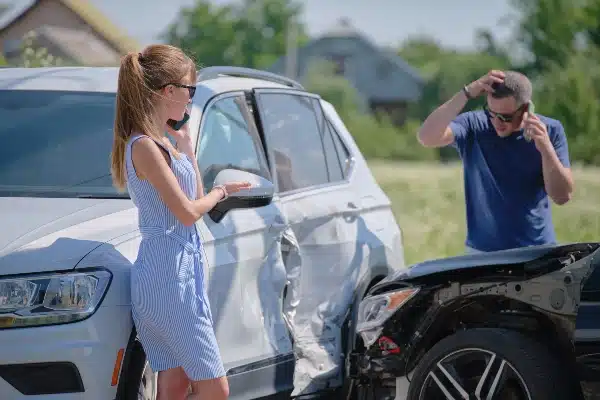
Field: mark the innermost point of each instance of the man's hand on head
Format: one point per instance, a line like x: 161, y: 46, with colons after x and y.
x: 484, y: 84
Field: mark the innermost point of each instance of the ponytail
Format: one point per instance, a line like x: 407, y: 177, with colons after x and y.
x: 134, y: 110
x: 141, y: 76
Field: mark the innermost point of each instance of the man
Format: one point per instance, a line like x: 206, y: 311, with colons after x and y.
x: 513, y: 160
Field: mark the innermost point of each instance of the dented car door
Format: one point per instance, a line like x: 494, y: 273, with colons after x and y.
x: 243, y: 254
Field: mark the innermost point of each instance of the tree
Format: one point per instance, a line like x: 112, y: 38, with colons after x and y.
x: 566, y: 52
x: 250, y: 34
x: 36, y: 56
x: 446, y: 70
x: 552, y: 30
x: 376, y: 137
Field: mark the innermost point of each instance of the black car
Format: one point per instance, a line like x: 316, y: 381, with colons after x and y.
x: 514, y: 324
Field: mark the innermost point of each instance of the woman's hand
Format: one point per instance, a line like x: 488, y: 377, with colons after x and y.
x: 182, y: 138
x: 232, y: 187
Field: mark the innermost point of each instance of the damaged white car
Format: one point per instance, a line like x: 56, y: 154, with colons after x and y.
x: 288, y: 261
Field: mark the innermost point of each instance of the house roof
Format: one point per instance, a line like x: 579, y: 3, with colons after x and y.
x: 84, y: 10
x: 84, y: 47
x: 345, y: 29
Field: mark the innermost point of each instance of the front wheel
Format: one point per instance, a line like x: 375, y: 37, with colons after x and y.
x: 490, y: 364
x: 139, y: 379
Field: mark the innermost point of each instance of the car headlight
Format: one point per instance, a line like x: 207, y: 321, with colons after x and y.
x: 374, y: 311
x: 56, y: 298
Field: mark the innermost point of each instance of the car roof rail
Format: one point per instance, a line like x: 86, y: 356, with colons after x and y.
x: 207, y: 73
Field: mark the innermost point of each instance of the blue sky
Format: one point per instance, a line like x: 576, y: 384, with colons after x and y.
x: 385, y: 21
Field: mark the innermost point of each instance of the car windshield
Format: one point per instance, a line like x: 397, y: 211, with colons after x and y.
x: 56, y: 144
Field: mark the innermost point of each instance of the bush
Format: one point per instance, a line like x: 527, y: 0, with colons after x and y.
x: 376, y: 137
x: 35, y: 56
x: 382, y: 140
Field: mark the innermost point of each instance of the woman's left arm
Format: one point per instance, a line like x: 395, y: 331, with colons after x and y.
x: 200, y: 191
x: 185, y: 145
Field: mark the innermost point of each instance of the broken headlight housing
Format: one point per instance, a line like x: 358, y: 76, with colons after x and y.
x: 374, y: 311
x: 49, y: 299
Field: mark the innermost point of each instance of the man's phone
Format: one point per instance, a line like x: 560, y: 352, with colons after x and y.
x: 530, y: 111
x: 176, y: 125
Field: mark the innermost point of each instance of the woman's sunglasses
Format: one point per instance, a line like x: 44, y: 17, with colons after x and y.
x: 502, y: 117
x: 191, y: 89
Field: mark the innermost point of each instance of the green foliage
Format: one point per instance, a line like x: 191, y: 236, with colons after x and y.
x: 570, y: 94
x: 566, y: 54
x: 446, y: 71
x: 377, y: 137
x: 250, y: 33
x: 549, y: 29
x: 428, y: 203
x: 320, y: 78
x: 559, y: 38
x: 380, y: 139
x: 36, y: 56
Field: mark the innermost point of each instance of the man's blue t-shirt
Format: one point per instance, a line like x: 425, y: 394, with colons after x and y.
x: 506, y: 202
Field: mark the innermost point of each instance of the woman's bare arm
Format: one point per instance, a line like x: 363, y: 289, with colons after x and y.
x: 150, y: 163
x: 200, y: 184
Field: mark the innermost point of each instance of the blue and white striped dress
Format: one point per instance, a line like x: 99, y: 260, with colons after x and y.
x: 170, y: 306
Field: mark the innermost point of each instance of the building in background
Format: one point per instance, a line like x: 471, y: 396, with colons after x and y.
x: 383, y: 79
x: 73, y: 30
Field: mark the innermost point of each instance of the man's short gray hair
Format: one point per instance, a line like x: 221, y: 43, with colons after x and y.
x: 516, y: 85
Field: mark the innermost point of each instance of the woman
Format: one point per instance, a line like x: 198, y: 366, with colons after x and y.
x: 170, y: 307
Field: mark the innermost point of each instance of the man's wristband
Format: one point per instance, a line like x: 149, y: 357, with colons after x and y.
x: 466, y: 92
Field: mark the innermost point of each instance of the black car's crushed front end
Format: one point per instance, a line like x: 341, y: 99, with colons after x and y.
x: 535, y: 291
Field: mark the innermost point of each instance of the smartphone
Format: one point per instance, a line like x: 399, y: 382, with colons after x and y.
x: 530, y: 111
x: 176, y: 125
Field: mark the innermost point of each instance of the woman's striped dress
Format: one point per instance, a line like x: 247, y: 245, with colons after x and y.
x: 170, y: 306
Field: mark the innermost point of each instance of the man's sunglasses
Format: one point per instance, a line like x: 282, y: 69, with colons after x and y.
x: 503, y: 117
x: 191, y: 89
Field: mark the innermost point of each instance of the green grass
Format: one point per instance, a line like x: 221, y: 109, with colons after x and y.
x: 428, y: 203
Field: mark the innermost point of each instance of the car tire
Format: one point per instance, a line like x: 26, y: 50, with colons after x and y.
x: 504, y: 354
x: 139, y: 380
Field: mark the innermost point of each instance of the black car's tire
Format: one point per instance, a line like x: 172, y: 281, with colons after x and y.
x: 542, y: 375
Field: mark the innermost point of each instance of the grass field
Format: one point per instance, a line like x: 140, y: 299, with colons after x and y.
x: 428, y: 204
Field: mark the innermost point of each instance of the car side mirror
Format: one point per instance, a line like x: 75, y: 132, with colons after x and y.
x: 259, y: 195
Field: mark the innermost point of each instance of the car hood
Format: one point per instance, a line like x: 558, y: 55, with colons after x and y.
x: 47, y: 234
x: 488, y: 259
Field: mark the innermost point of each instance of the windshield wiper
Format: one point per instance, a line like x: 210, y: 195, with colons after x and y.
x: 103, y: 196
x: 90, y: 193
x: 95, y: 196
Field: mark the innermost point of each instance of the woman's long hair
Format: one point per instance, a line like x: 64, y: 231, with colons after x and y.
x: 141, y: 76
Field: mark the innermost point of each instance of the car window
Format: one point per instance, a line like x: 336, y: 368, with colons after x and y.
x: 229, y: 139
x: 334, y: 167
x: 341, y: 150
x: 292, y: 130
x: 56, y: 143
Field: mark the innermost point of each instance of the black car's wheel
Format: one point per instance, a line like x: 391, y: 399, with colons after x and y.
x: 494, y: 364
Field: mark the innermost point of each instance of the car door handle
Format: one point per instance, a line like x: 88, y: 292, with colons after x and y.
x: 352, y: 206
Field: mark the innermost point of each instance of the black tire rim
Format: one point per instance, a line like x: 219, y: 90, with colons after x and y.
x: 474, y: 373
x: 147, y: 388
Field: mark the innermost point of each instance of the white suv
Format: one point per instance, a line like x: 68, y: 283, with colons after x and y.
x: 287, y: 262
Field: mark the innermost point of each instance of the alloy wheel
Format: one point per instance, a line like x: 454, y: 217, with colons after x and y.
x: 147, y: 389
x: 474, y: 374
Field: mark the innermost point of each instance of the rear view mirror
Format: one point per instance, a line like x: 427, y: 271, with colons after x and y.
x: 259, y: 195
